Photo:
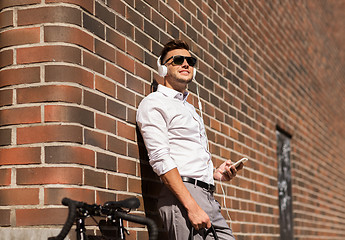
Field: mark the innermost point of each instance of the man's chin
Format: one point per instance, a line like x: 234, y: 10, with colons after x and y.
x: 185, y: 80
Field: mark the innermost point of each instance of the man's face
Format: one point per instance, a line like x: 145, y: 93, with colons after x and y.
x: 178, y: 74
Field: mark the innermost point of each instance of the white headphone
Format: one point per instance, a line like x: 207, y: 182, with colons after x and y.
x: 163, y: 70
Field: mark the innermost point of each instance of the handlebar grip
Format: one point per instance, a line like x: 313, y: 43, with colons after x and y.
x: 72, y: 205
x: 132, y: 203
x: 213, y: 231
x: 153, y: 230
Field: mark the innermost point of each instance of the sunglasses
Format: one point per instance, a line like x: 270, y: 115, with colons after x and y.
x: 179, y: 60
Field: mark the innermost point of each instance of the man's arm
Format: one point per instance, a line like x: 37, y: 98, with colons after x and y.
x: 196, y: 215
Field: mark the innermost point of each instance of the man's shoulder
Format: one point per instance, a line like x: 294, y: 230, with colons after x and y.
x: 153, y: 99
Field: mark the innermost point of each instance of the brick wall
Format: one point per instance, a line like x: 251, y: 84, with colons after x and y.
x: 74, y: 71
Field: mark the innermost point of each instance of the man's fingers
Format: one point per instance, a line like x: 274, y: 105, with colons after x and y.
x: 208, y: 224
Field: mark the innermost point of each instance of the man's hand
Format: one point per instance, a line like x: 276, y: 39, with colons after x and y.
x: 226, y: 171
x: 198, y: 217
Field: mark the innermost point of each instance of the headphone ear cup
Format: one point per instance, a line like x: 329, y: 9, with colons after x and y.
x: 194, y: 73
x: 162, y: 69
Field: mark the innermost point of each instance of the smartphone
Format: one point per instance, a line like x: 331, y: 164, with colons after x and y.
x: 236, y: 164
x: 239, y: 162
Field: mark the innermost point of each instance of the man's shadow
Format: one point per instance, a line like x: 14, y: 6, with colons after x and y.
x: 150, y: 186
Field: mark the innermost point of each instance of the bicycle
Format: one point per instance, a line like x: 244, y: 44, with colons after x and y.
x: 111, y: 227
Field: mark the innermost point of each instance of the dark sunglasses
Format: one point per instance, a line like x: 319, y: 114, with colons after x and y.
x: 179, y: 60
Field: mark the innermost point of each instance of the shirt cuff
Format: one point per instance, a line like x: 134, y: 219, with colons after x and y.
x: 163, y: 164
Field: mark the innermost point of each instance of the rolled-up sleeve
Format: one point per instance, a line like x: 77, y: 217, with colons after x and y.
x: 152, y: 121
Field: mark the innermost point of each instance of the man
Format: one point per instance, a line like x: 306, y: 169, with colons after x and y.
x: 176, y: 141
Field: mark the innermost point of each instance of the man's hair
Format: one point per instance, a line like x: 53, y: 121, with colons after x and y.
x: 172, y: 45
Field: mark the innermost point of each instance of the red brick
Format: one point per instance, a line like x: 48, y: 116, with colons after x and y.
x: 93, y: 178
x: 48, y: 54
x: 95, y: 138
x: 125, y: 27
x: 49, y: 175
x: 104, y: 50
x: 119, y: 7
x: 6, y: 19
x: 131, y: 115
x: 20, y: 115
x: 5, y: 136
x: 86, y: 4
x: 142, y: 234
x: 105, y: 123
x: 14, y: 196
x: 53, y: 196
x: 69, y: 35
x: 58, y: 113
x: 105, y: 86
x: 134, y: 17
x: 215, y: 125
x: 69, y: 154
x: 146, y: 42
x: 47, y: 216
x: 142, y: 71
x: 6, y: 97
x: 125, y: 61
x: 135, y: 51
x: 49, y: 133
x: 115, y: 39
x: 6, y: 58
x: 5, y: 217
x: 20, y: 155
x: 19, y: 76
x: 14, y: 37
x: 124, y: 95
x: 105, y: 161
x: 135, y: 84
x: 51, y: 93
x: 116, y: 109
x: 93, y: 25
x: 134, y: 185
x: 133, y: 150
x: 119, y: 183
x: 10, y: 3
x: 126, y: 131
x: 102, y: 197
x: 117, y: 145
x: 126, y: 166
x: 92, y: 62
x: 94, y: 101
x: 5, y: 176
x: 59, y: 73
x: 115, y: 73
x: 56, y: 14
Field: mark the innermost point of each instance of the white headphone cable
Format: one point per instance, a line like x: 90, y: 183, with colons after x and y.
x: 227, y: 211
x: 220, y: 181
x: 201, y: 115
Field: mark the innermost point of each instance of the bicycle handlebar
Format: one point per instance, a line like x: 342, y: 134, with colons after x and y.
x: 153, y: 230
x: 73, y: 205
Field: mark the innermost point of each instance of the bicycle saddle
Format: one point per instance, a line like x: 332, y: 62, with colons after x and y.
x: 132, y: 203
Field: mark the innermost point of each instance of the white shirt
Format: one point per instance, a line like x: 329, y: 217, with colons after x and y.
x: 174, y: 135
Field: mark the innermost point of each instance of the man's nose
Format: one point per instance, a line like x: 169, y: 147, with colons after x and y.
x: 185, y: 63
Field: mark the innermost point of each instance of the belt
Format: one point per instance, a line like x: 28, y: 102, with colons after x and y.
x: 208, y: 187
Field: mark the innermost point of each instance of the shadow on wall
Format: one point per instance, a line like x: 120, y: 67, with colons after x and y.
x: 150, y: 185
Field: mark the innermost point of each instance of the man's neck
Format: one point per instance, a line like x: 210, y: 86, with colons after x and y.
x: 177, y: 87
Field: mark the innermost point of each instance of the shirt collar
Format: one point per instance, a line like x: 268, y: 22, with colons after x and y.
x: 169, y: 92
